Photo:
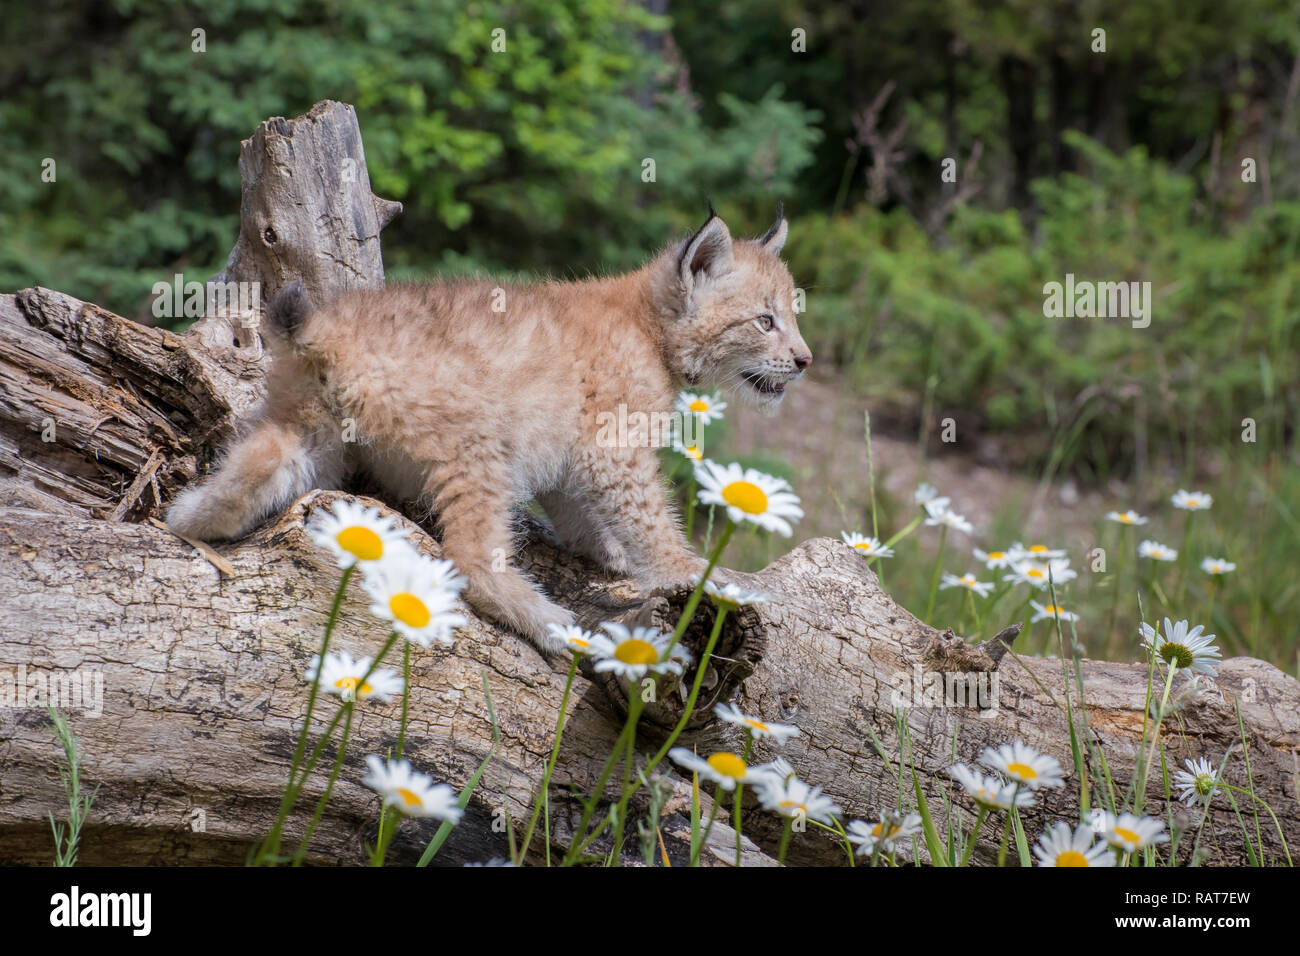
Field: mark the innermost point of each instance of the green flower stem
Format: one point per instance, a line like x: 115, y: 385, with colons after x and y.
x: 974, y: 835
x: 694, y: 600
x: 630, y: 788
x: 1006, y: 834
x: 579, y: 843
x: 785, y: 840
x: 636, y: 705
x: 1143, y: 754
x: 543, y: 798
x: 271, y: 845
x: 740, y: 789
x: 1184, y: 554
x: 1125, y: 543
x: 628, y: 737
x: 934, y: 576
x: 406, y: 698
x: 301, y: 853
x: 704, y: 837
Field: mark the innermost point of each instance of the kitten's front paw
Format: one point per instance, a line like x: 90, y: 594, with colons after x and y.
x: 540, y: 628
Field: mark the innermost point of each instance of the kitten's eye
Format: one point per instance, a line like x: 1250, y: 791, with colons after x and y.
x: 765, y: 322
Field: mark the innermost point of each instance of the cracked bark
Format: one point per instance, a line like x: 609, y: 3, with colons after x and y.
x: 201, y: 669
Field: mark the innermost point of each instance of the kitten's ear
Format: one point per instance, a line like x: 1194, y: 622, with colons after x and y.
x: 774, y: 240
x: 707, y: 253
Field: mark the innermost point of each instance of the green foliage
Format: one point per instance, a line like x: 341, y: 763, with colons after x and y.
x: 529, y: 158
x: 1224, y: 333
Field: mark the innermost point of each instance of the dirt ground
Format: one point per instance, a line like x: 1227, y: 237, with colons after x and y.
x: 818, y: 433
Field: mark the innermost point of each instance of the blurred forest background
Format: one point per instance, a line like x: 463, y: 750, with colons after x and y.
x: 924, y: 297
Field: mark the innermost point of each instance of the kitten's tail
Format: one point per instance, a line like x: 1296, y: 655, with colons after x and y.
x: 288, y: 309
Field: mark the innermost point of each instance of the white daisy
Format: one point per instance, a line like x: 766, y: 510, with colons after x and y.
x: 924, y: 492
x: 779, y: 733
x: 867, y: 547
x: 1058, y: 847
x: 1130, y: 834
x: 1040, y: 575
x: 418, y: 595
x: 733, y: 596
x: 940, y: 514
x: 354, y: 533
x: 988, y: 791
x: 749, y: 495
x: 691, y: 451
x: 723, y: 768
x: 1125, y: 517
x: 1054, y: 611
x: 707, y: 408
x: 967, y: 581
x: 342, y: 674
x: 414, y: 794
x: 1199, y: 782
x: 1036, y: 552
x: 778, y: 769
x: 1217, y: 565
x: 1182, y: 649
x: 1024, y: 764
x: 571, y: 636
x: 633, y: 653
x: 1156, y: 551
x: 1192, y: 500
x: 890, y: 830
x: 993, y: 559
x: 795, y: 799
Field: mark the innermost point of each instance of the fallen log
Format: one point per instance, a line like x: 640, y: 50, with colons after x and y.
x: 199, y: 652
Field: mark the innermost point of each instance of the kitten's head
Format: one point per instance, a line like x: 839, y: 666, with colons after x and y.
x: 727, y: 310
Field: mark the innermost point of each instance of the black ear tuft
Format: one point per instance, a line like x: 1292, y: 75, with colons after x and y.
x: 776, y: 226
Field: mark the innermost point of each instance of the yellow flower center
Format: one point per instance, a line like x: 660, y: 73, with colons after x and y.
x: 694, y: 452
x: 793, y: 808
x: 995, y: 555
x: 728, y: 765
x: 1177, y: 655
x: 361, y: 542
x: 409, y: 798
x: 1193, y: 502
x: 1038, y: 548
x: 1022, y: 770
x: 863, y: 546
x: 746, y: 496
x: 1128, y: 836
x: 1071, y: 858
x: 579, y: 643
x: 878, y: 831
x: 350, y: 683
x: 968, y: 579
x: 756, y: 724
x: 634, y: 651
x: 699, y: 405
x: 1033, y: 573
x: 1051, y: 609
x: 409, y: 609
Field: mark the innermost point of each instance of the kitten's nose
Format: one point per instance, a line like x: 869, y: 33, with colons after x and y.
x: 802, y: 361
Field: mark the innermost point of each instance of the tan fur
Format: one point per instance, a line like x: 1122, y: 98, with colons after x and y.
x: 471, y: 410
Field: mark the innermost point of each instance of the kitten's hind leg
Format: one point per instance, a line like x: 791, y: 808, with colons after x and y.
x: 475, y: 521
x: 260, y: 473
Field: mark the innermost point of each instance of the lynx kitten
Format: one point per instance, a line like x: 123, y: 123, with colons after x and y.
x: 470, y: 397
